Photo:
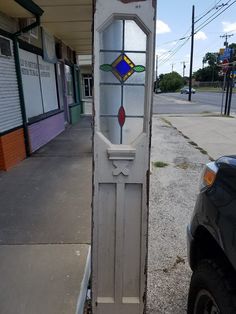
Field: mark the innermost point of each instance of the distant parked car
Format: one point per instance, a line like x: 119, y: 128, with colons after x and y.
x: 212, y: 241
x: 185, y: 90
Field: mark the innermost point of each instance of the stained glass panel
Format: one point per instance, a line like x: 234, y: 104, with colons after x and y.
x: 121, y: 100
x: 122, y: 67
x: 132, y: 128
x: 107, y: 58
x: 134, y: 105
x: 135, y: 39
x: 121, y: 116
x: 111, y: 129
x: 110, y: 99
x: 112, y: 36
x: 139, y: 59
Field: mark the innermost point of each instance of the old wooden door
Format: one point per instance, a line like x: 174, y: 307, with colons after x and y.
x: 123, y: 76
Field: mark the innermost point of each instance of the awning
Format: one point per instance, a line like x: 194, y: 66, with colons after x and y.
x: 68, y: 20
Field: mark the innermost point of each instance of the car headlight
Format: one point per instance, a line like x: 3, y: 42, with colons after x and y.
x: 208, y: 175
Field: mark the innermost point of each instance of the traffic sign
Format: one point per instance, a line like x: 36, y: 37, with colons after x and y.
x: 225, y: 64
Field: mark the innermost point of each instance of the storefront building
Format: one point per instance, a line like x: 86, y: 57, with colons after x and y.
x: 86, y: 83
x: 39, y: 87
x: 12, y: 144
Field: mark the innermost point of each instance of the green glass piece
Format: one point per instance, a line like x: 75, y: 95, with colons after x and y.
x: 139, y: 68
x: 106, y: 67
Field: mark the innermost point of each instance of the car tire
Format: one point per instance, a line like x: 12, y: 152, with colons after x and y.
x: 211, y: 290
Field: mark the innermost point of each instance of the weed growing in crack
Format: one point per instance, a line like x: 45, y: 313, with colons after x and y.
x: 160, y: 164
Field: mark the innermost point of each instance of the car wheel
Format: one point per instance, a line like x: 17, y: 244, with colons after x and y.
x: 210, y: 290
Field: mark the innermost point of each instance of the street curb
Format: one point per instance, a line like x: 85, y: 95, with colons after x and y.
x: 84, y: 285
x: 193, y: 144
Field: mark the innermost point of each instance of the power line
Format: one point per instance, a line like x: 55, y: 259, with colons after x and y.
x: 226, y: 36
x: 211, y: 18
x: 212, y: 8
x: 174, y: 50
x: 208, y: 8
x: 204, y: 14
x: 185, y: 37
x: 164, y: 56
x: 172, y: 41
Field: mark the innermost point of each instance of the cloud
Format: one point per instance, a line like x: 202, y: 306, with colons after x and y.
x: 162, y: 54
x: 160, y: 51
x: 162, y: 27
x: 229, y: 27
x: 200, y: 36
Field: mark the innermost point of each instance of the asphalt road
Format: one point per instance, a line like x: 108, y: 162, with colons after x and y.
x: 202, y: 102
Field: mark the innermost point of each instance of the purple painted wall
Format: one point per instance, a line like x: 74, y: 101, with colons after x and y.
x: 40, y: 133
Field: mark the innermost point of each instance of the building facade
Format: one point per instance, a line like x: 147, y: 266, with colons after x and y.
x: 86, y: 83
x: 39, y: 89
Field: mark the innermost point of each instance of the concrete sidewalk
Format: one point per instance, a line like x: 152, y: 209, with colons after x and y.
x: 215, y: 134
x: 45, y: 226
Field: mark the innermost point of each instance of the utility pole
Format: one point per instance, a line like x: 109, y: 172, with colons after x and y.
x: 226, y: 36
x: 227, y: 80
x: 156, y: 73
x: 184, y: 67
x: 172, y: 67
x: 191, y: 57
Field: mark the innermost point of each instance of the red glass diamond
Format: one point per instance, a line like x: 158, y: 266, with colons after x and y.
x: 121, y: 116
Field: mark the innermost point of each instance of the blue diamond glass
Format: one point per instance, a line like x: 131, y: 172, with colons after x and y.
x: 122, y: 68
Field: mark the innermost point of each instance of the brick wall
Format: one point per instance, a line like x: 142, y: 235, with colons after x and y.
x: 12, y: 149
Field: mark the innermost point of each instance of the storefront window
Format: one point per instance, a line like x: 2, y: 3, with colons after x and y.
x: 69, y: 85
x: 87, y: 85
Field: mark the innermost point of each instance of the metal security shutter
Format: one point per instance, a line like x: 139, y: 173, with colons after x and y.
x: 10, y: 111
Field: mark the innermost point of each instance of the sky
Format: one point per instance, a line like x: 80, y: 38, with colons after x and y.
x: 174, y: 18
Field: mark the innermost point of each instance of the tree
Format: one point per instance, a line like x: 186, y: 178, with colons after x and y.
x: 207, y: 74
x: 233, y: 45
x: 210, y: 72
x: 170, y: 82
x: 211, y: 58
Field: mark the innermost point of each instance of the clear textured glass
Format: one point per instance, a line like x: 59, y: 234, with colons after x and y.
x: 111, y: 95
x: 108, y: 58
x: 135, y: 38
x: 110, y: 129
x: 132, y: 128
x: 111, y: 38
x: 133, y: 100
x: 137, y: 59
x: 110, y: 99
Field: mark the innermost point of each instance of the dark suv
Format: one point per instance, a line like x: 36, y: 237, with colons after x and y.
x: 212, y: 241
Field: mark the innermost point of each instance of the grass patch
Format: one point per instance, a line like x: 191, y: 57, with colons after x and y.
x: 193, y: 143
x: 166, y: 121
x: 231, y: 117
x: 205, y: 112
x: 160, y: 164
x: 203, y: 151
x: 183, y: 165
x: 179, y: 260
x: 211, y: 89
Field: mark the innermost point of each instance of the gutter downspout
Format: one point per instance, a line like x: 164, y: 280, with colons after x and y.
x: 19, y: 79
